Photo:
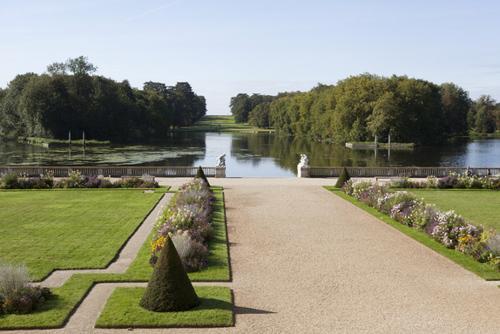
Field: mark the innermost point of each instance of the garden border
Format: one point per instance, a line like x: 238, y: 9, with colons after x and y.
x: 480, y: 269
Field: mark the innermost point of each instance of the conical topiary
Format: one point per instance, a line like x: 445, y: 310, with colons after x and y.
x: 201, y: 175
x: 169, y: 289
x: 344, y: 176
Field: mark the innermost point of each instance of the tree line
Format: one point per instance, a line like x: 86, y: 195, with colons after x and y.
x: 70, y: 98
x: 360, y: 107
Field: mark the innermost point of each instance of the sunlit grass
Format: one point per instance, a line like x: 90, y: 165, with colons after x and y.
x: 227, y: 124
x: 69, y: 229
x: 475, y: 206
x: 123, y: 310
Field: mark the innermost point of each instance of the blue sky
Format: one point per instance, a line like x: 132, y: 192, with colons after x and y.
x: 224, y: 47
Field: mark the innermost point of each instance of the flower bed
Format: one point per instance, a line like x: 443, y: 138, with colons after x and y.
x: 189, y: 224
x: 448, y: 228
x: 454, y: 180
x: 16, y: 293
x: 74, y: 180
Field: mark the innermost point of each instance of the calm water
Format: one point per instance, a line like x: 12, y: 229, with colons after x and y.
x: 252, y: 155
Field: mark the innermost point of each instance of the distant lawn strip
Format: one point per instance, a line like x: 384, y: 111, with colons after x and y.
x: 480, y: 269
x: 55, y: 312
x: 123, y: 311
x: 59, y: 142
x: 477, y: 206
x: 227, y: 124
x: 69, y: 229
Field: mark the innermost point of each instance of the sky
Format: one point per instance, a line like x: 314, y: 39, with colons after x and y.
x: 226, y: 47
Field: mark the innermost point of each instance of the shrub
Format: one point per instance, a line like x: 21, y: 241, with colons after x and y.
x: 169, y: 289
x: 493, y: 244
x: 91, y: 181
x: 431, y: 182
x: 16, y: 293
x: 201, y: 175
x: 9, y: 181
x: 343, y: 178
x: 447, y: 182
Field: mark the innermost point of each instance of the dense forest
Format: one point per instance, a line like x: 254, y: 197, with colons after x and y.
x: 360, y: 107
x: 70, y: 98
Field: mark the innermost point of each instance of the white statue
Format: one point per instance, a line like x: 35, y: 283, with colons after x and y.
x: 221, y: 161
x: 304, y: 160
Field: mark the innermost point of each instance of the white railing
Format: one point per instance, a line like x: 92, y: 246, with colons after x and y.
x: 113, y: 171
x: 396, y: 171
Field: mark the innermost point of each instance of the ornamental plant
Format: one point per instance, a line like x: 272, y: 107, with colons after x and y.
x: 17, y: 295
x: 169, y: 288
x: 189, y: 223
x: 201, y: 175
x: 343, y: 178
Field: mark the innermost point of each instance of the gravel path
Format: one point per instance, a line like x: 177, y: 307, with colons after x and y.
x: 306, y: 261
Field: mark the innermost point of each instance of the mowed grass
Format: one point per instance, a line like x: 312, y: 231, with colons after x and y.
x: 227, y: 124
x: 122, y: 310
x: 69, y: 229
x: 475, y: 206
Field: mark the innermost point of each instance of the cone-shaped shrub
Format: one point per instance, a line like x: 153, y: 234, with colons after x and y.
x: 169, y: 289
x: 201, y: 175
x: 344, y: 176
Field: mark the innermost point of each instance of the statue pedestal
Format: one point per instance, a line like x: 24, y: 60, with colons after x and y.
x: 303, y: 170
x: 220, y: 172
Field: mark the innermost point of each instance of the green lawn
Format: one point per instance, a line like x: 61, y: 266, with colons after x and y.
x: 123, y: 311
x: 227, y: 124
x: 475, y: 206
x: 69, y: 229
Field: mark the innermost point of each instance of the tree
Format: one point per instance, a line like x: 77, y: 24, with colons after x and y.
x: 157, y: 87
x: 384, y: 115
x: 456, y: 104
x: 240, y: 107
x: 10, y: 121
x: 260, y: 115
x: 57, y: 69
x: 80, y: 65
x: 484, y: 114
x: 77, y: 66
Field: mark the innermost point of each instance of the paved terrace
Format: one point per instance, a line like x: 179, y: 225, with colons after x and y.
x: 306, y: 261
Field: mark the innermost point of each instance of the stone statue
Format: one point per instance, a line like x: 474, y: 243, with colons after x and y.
x: 304, y: 160
x: 221, y: 161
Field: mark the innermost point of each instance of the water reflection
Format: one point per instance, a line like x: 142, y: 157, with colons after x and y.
x: 249, y: 154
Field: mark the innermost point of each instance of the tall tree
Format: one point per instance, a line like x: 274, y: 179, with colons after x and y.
x: 484, y: 114
x: 456, y: 104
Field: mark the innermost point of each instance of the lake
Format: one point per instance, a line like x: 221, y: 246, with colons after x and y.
x: 254, y: 154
